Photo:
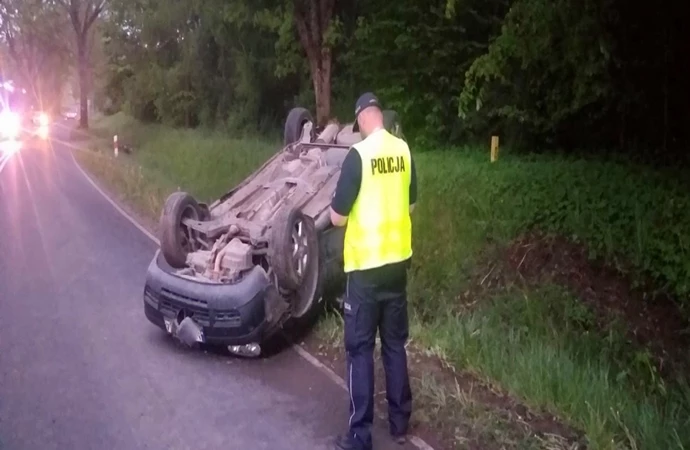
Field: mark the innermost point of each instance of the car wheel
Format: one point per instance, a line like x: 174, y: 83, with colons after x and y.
x: 177, y: 240
x: 296, y: 119
x: 293, y: 248
x: 392, y: 123
x: 310, y: 290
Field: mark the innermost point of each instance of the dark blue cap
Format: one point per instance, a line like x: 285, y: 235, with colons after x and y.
x: 364, y: 101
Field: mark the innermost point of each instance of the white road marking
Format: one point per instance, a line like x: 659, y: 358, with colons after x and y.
x: 311, y: 359
x: 115, y: 205
x: 301, y: 351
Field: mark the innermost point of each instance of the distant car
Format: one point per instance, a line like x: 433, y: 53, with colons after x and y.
x: 40, y: 124
x: 261, y: 256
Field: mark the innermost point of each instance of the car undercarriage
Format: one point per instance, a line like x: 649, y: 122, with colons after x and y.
x: 269, y: 237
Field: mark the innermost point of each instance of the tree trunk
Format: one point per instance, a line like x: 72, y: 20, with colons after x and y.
x: 324, y: 102
x: 312, y: 18
x: 92, y: 10
x: 83, y: 85
x: 321, y: 77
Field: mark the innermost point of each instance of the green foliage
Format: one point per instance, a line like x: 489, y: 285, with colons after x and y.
x: 209, y: 63
x: 550, y: 62
x: 566, y: 73
x: 641, y: 219
x: 543, y: 346
x: 404, y: 52
x: 236, y: 63
x: 634, y: 218
x: 34, y: 49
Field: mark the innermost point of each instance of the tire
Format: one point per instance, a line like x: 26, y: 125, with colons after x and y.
x: 286, y: 225
x: 175, y: 245
x: 311, y: 286
x: 392, y: 123
x: 294, y: 123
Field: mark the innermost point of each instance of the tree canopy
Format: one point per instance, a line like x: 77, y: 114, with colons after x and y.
x: 566, y: 74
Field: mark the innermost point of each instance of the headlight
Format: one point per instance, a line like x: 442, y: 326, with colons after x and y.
x: 10, y: 124
x: 43, y: 119
x: 43, y: 132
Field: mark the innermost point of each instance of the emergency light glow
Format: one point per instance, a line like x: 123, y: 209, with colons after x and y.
x: 10, y: 124
x: 43, y: 132
x: 43, y: 119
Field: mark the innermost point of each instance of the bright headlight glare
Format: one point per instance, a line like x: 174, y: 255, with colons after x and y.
x: 9, y: 124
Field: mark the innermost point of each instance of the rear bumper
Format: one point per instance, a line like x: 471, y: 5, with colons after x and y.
x: 228, y: 314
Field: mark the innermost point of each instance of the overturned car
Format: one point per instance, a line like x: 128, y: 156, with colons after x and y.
x: 233, y: 273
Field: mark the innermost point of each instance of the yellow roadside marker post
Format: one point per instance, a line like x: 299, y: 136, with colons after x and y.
x: 494, y: 148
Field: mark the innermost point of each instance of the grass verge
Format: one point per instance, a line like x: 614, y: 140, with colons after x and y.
x: 522, y: 349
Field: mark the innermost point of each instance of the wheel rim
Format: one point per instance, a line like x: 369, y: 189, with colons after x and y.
x: 187, y: 235
x: 300, y: 248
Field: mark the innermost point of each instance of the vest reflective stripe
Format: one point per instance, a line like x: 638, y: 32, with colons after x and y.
x: 379, y: 229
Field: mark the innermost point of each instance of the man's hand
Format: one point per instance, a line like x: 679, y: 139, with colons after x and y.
x: 337, y: 219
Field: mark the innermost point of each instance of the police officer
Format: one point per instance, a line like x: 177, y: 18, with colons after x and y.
x: 373, y: 199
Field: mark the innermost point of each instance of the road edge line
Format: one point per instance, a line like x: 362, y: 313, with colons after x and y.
x: 301, y: 351
x: 314, y: 361
x: 113, y: 203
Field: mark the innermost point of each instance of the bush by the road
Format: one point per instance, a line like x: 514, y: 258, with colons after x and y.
x: 632, y: 217
x: 529, y: 341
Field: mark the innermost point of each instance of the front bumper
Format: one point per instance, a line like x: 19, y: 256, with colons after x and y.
x: 227, y: 314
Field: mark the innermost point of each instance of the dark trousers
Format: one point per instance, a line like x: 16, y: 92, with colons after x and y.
x: 368, y: 309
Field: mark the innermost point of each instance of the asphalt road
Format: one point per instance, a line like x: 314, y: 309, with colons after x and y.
x: 82, y: 368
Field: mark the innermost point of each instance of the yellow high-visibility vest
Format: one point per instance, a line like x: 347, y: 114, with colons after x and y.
x: 379, y: 228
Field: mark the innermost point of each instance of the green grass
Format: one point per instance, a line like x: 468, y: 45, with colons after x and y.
x: 533, y: 343
x: 205, y: 163
x: 625, y: 214
x: 526, y: 341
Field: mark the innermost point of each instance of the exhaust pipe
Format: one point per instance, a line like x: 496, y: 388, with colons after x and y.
x: 328, y: 134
